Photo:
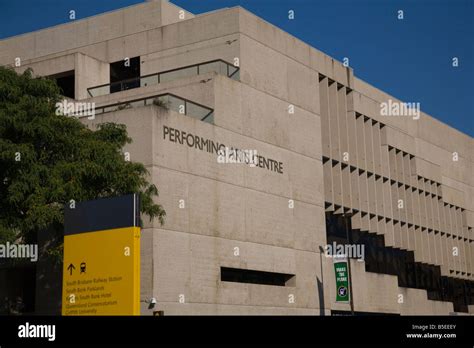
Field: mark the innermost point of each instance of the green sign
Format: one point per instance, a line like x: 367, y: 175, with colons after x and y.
x: 342, y: 280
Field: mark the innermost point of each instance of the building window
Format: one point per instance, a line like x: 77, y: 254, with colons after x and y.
x: 237, y: 275
x: 65, y: 81
x: 125, y: 74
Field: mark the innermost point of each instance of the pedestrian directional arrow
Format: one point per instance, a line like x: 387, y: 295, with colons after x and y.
x: 70, y: 268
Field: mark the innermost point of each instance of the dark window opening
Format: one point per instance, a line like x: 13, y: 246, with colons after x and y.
x: 125, y: 74
x: 66, y: 82
x: 336, y: 313
x: 17, y: 286
x: 256, y: 277
x: 335, y: 227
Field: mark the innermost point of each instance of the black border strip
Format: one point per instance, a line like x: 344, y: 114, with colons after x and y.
x: 102, y: 214
x: 242, y: 330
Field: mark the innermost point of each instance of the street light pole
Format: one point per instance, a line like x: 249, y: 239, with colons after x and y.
x: 348, y: 238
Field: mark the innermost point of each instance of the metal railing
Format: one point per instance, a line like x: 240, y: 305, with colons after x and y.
x: 168, y: 101
x: 220, y: 66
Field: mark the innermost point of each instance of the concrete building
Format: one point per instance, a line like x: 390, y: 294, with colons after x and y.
x: 331, y: 165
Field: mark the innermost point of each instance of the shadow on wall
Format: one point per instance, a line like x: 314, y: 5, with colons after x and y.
x: 32, y: 288
x: 382, y: 259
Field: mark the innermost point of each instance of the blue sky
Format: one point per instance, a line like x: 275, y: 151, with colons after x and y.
x: 410, y: 58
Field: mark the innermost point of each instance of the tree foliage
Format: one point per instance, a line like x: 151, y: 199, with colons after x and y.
x: 47, y: 160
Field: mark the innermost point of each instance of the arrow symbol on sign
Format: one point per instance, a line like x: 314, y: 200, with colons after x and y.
x: 70, y: 268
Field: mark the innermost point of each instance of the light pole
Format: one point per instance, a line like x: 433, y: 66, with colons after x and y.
x: 349, y: 241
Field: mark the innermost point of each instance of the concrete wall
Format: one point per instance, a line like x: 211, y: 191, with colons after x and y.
x: 226, y: 206
x: 89, y: 31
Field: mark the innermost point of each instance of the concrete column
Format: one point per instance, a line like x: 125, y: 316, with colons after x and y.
x: 337, y: 184
x: 346, y: 186
x: 418, y: 244
x: 344, y: 146
x: 463, y: 243
x: 444, y: 254
x: 351, y: 128
x: 334, y: 122
x: 354, y: 175
x: 372, y: 203
x: 397, y: 234
x: 422, y: 197
x: 377, y: 146
x: 342, y: 121
x: 396, y: 215
x: 327, y: 177
x: 444, y: 264
x: 455, y: 241
x: 467, y: 243
x: 368, y: 144
x: 380, y: 204
x: 364, y: 199
x: 90, y: 72
x: 426, y: 246
x: 361, y: 163
x: 442, y: 217
x: 389, y: 234
x: 471, y: 257
x: 381, y: 208
x: 439, y: 231
x: 449, y: 237
x: 324, y: 109
x: 356, y: 220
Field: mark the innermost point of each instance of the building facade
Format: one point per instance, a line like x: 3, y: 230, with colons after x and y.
x: 336, y: 160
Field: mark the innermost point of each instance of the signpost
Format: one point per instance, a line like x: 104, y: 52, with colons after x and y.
x: 101, y: 271
x: 342, y: 279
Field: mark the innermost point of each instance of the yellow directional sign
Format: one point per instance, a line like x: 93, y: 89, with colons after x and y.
x: 102, y: 273
x: 101, y: 270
